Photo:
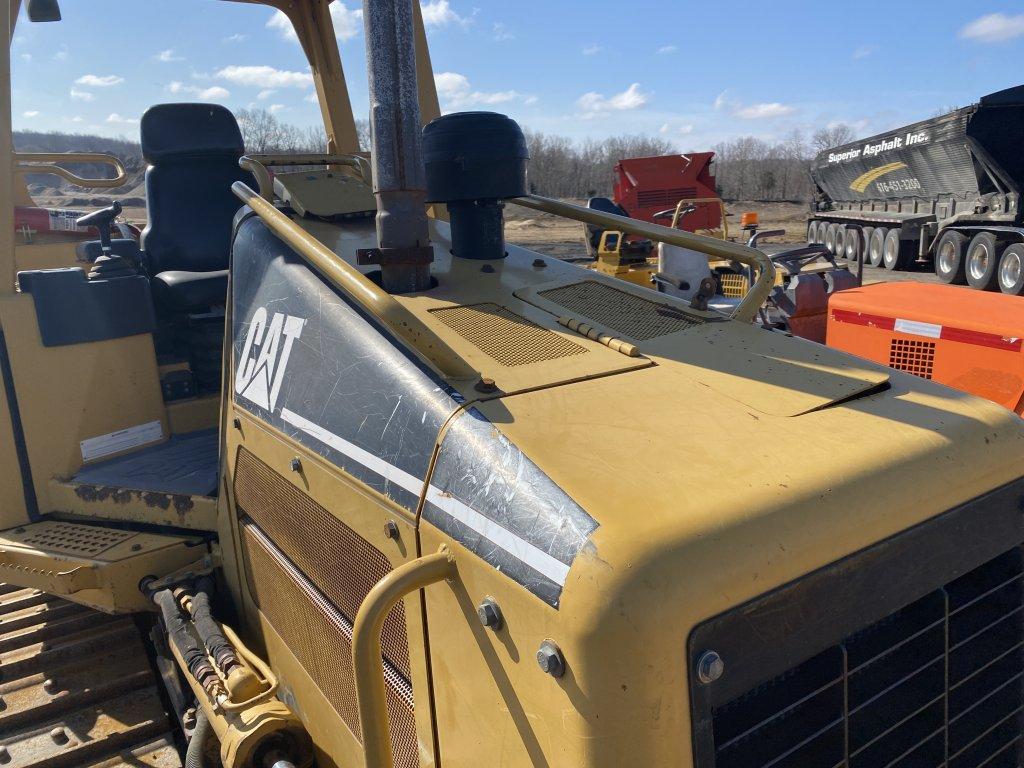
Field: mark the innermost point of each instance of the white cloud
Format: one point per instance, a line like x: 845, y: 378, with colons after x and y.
x: 994, y: 28
x: 77, y: 119
x: 456, y: 92
x: 99, y: 81
x: 312, y: 98
x: 26, y: 57
x: 348, y: 23
x: 213, y: 93
x: 438, y: 13
x: 863, y: 52
x: 62, y: 54
x: 168, y: 56
x: 682, y: 130
x: 763, y: 111
x: 592, y: 50
x: 501, y: 32
x: 593, y: 104
x: 265, y: 94
x: 30, y: 113
x: 235, y: 38
x: 722, y: 100
x: 265, y: 77
x: 80, y: 95
x: 117, y: 119
x: 665, y: 49
x: 274, y: 108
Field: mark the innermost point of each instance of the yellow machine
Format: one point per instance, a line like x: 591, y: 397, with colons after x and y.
x: 429, y: 538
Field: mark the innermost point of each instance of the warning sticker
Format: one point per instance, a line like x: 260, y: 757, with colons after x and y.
x: 106, y: 445
x: 63, y: 220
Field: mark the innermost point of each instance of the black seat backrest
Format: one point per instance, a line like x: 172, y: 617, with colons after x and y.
x: 192, y: 151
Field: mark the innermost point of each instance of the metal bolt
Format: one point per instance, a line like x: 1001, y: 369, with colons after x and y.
x: 59, y: 735
x: 490, y: 614
x: 136, y: 547
x: 550, y: 659
x: 486, y: 385
x: 391, y: 530
x: 236, y: 423
x: 710, y: 667
x: 487, y: 268
x: 539, y: 263
x: 49, y: 686
x: 295, y: 464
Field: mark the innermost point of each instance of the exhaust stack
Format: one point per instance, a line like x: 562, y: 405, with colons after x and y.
x: 403, y: 253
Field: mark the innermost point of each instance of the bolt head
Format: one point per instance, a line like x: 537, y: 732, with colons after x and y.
x: 236, y: 423
x: 550, y: 659
x: 391, y: 530
x: 710, y: 667
x: 59, y: 735
x: 539, y: 263
x: 295, y: 464
x: 490, y: 614
x: 486, y: 385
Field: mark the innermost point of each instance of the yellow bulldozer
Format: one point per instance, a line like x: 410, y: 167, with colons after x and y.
x: 323, y: 472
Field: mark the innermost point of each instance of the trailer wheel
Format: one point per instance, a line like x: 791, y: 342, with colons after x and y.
x: 830, y: 237
x: 982, y: 263
x: 812, y: 232
x: 1011, y: 270
x: 840, y: 250
x: 949, y: 258
x: 865, y: 243
x: 896, y: 254
x: 876, y: 246
x: 853, y: 249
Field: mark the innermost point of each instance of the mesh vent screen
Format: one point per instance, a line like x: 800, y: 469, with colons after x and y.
x: 339, y: 562
x: 507, y: 337
x: 629, y: 314
x: 912, y: 356
x: 666, y: 197
x: 72, y: 539
x: 321, y: 639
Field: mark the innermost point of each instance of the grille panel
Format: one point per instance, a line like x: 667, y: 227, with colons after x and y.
x: 629, y: 314
x: 509, y: 338
x: 321, y: 639
x: 912, y: 356
x: 73, y: 539
x: 666, y: 197
x: 938, y: 683
x: 339, y: 562
x: 733, y: 286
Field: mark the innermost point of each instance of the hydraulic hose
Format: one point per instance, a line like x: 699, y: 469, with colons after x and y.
x: 195, y: 755
x: 177, y: 630
x: 209, y: 630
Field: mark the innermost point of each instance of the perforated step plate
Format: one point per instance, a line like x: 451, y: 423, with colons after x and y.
x: 77, y: 688
x: 94, y: 565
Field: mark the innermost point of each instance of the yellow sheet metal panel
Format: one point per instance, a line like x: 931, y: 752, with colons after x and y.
x: 13, y: 508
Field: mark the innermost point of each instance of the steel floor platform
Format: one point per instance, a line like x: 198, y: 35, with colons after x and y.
x: 185, y: 464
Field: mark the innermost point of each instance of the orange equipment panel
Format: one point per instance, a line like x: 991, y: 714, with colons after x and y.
x: 969, y: 340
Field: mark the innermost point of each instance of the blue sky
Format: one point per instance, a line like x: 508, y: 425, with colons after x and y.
x: 579, y: 69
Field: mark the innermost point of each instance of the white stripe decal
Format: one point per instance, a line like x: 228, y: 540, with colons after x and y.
x: 519, y: 548
x: 930, y: 330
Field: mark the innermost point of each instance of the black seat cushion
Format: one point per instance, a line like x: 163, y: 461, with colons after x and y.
x: 192, y: 151
x: 180, y: 291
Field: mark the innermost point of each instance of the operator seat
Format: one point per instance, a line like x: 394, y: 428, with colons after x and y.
x: 192, y: 151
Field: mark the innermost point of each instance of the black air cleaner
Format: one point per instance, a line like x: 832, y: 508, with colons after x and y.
x: 474, y: 161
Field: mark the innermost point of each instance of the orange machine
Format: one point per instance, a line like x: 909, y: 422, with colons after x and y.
x: 965, y: 339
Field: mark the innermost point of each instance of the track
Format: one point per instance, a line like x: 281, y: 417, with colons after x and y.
x: 76, y: 688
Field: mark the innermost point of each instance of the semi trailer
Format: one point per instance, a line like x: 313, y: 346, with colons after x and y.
x: 946, y: 189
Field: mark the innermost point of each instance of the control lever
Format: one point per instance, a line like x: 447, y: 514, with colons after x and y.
x: 108, y: 264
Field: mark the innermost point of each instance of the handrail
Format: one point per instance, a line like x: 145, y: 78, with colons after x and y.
x: 746, y: 310
x: 356, y: 285
x: 313, y: 158
x: 46, y: 163
x: 371, y: 694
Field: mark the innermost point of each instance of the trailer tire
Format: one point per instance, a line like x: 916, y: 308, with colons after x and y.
x: 876, y: 246
x: 897, y: 255
x: 982, y: 264
x: 829, y: 240
x: 840, y: 241
x: 812, y: 232
x: 853, y: 246
x: 865, y: 244
x: 1011, y: 270
x: 949, y: 258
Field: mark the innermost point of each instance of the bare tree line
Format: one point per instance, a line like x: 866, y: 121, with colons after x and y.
x: 747, y: 168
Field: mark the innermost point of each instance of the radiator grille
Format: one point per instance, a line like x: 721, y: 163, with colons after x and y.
x: 938, y: 683
x: 629, y: 314
x: 339, y: 562
x: 509, y: 338
x: 321, y: 639
x: 912, y: 356
x: 665, y: 197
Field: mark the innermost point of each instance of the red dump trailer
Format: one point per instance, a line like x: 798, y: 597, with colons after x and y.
x: 646, y: 185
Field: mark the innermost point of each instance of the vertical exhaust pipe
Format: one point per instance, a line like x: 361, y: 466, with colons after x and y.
x: 403, y: 253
